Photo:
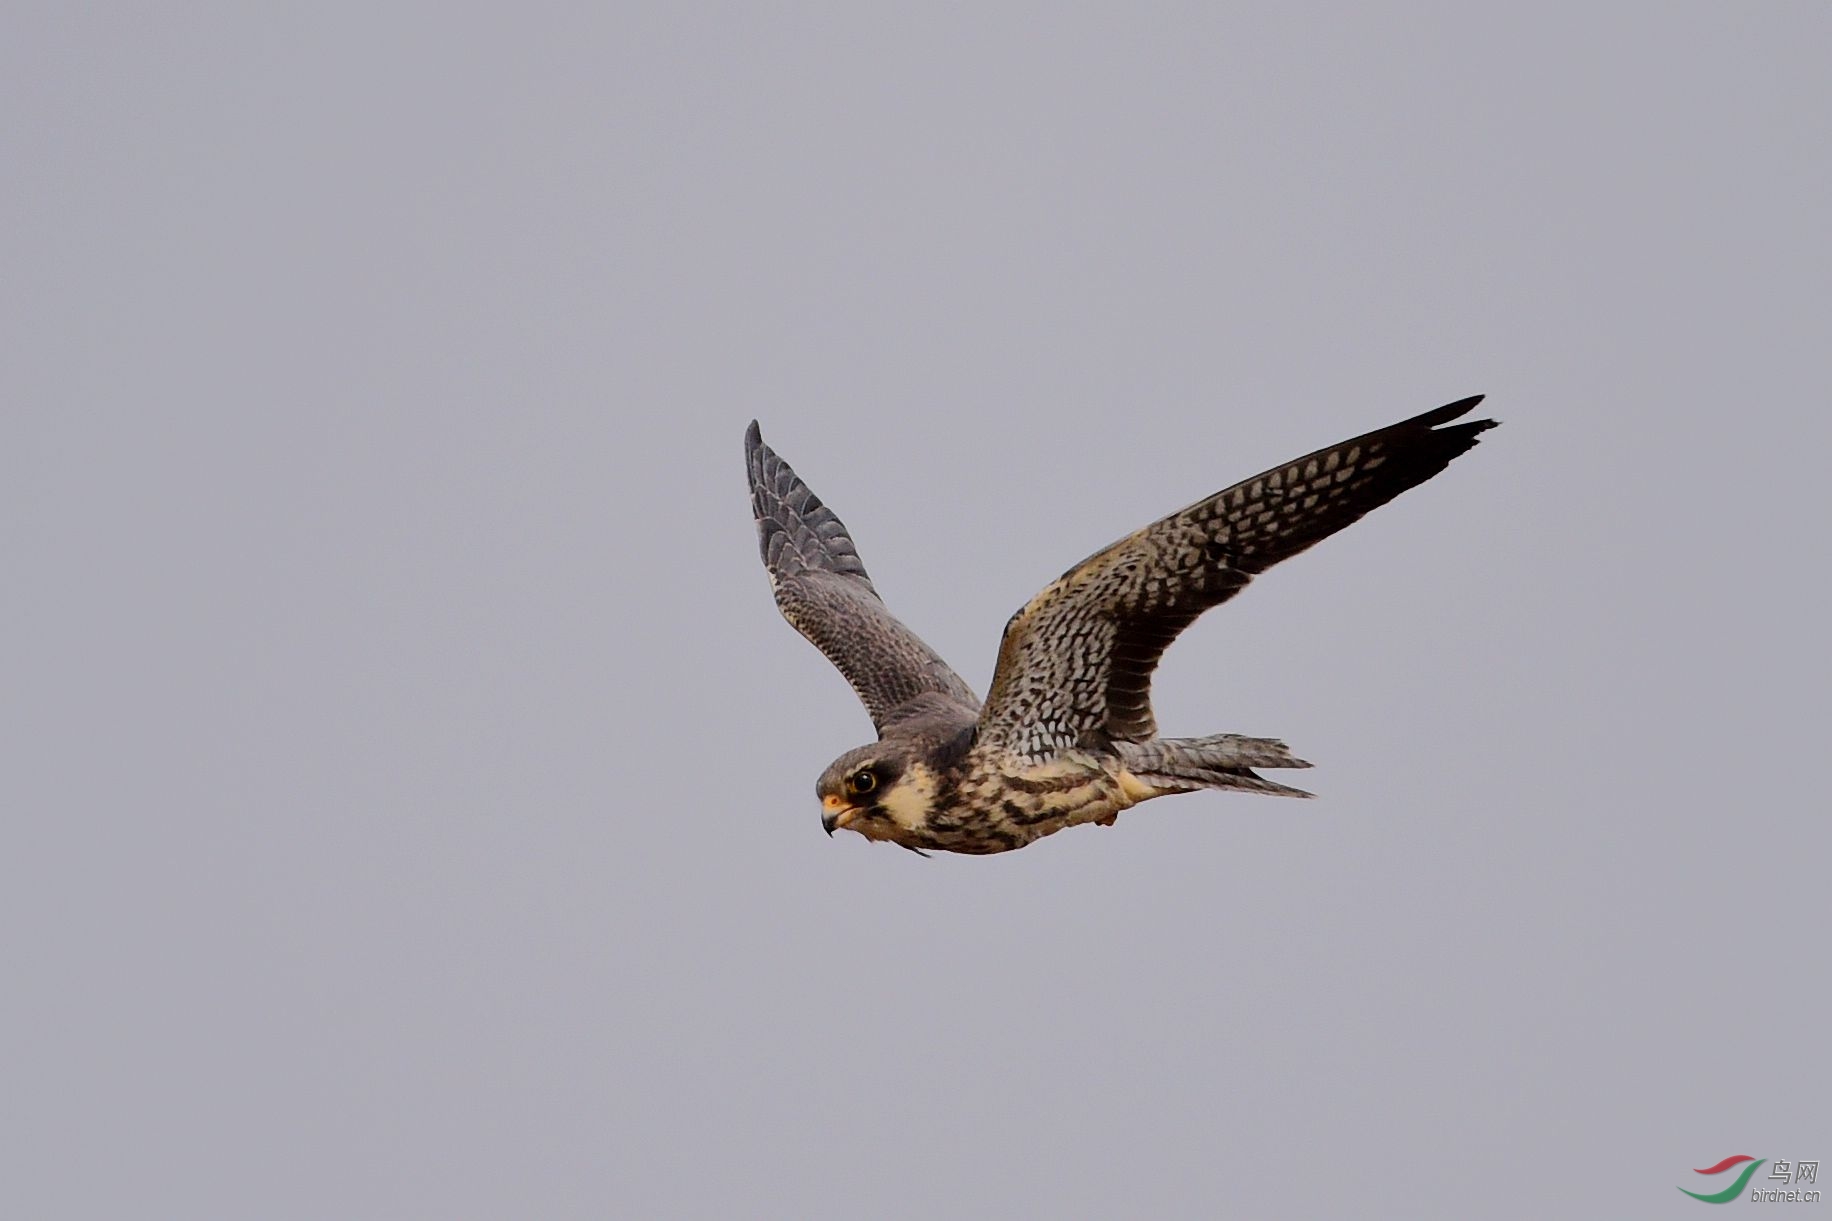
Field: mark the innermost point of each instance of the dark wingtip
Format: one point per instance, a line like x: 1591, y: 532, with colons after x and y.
x: 1452, y: 411
x: 1448, y: 412
x: 753, y: 437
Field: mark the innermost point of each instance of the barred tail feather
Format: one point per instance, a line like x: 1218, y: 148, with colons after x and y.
x: 1242, y: 779
x: 1223, y: 750
x: 1219, y: 762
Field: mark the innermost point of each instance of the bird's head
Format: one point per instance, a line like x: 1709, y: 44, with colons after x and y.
x: 882, y: 791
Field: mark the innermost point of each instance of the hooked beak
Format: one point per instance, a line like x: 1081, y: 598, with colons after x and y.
x: 835, y: 813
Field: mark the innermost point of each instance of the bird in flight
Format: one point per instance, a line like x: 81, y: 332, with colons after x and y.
x: 1066, y: 735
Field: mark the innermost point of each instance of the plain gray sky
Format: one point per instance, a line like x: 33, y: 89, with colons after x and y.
x: 408, y: 789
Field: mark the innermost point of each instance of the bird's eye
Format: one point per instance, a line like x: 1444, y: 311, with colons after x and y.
x: 862, y: 781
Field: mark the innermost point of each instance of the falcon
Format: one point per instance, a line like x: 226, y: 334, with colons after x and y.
x: 1066, y: 735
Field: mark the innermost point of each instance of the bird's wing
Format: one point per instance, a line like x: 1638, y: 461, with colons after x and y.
x: 822, y: 589
x: 1075, y: 664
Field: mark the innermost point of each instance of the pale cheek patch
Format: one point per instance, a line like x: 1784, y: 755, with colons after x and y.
x: 910, y: 800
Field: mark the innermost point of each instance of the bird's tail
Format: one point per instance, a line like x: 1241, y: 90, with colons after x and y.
x: 1224, y: 761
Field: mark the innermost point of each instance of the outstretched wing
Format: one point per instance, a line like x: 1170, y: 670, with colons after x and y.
x: 822, y: 589
x: 1075, y: 664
